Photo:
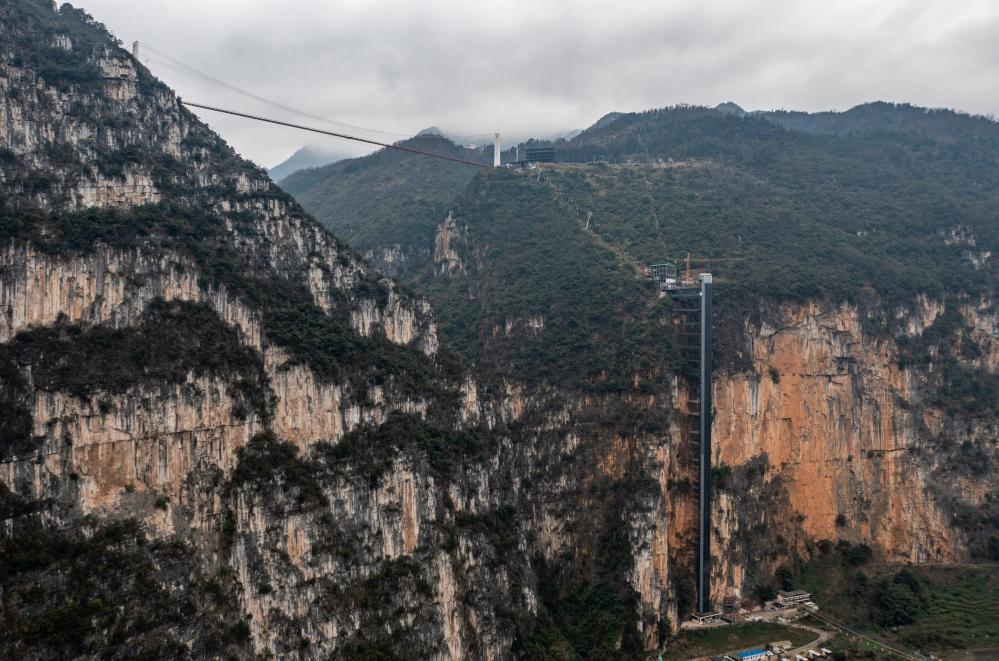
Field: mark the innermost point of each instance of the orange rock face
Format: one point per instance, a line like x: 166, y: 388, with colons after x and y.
x: 839, y: 422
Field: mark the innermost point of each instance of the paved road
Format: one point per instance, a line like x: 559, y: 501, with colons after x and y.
x: 823, y: 636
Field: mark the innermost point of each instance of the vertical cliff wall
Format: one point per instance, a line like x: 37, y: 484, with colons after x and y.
x: 855, y: 430
x: 186, y: 353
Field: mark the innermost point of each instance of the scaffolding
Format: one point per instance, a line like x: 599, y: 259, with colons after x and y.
x: 664, y: 275
x: 691, y: 305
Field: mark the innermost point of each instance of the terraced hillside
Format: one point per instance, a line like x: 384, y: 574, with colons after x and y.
x: 962, y: 611
x: 932, y: 608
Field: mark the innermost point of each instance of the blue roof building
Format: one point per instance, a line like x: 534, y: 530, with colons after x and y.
x: 752, y: 655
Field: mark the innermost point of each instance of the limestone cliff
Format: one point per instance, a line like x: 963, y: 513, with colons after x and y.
x: 184, y: 350
x: 837, y: 422
x: 857, y: 438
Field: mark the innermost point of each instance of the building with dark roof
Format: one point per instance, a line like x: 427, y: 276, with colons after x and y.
x: 540, y: 154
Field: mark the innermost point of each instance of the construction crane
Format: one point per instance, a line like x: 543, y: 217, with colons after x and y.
x: 665, y: 273
x: 690, y: 274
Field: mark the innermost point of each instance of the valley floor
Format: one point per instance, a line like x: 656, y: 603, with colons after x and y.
x: 702, y: 643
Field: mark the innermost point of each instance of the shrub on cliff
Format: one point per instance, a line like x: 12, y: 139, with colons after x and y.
x: 854, y: 554
x: 267, y: 461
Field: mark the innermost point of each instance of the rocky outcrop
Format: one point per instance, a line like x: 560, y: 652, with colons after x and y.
x: 445, y: 254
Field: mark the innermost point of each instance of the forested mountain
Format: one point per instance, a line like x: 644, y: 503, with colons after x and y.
x: 878, y: 205
x: 390, y: 200
x: 222, y: 433
x: 857, y: 395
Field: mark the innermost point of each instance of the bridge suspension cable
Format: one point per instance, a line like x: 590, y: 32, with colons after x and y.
x: 387, y: 145
x: 193, y: 73
x: 343, y: 130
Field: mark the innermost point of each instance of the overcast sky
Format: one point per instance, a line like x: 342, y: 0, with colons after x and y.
x: 524, y: 67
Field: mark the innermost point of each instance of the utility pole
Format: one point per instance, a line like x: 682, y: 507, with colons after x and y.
x: 496, y: 150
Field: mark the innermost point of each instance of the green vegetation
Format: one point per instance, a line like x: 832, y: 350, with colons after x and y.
x: 111, y: 593
x: 370, y: 450
x: 588, y: 609
x: 846, y: 647
x: 794, y: 244
x: 189, y: 220
x: 35, y: 25
x: 980, y: 521
x: 389, y: 198
x: 290, y: 316
x: 16, y: 404
x: 873, y: 206
x: 918, y: 607
x: 693, y: 643
x: 601, y: 323
x: 396, y: 591
x: 591, y: 621
x: 171, y: 341
x: 499, y: 526
x: 266, y: 461
x: 960, y: 609
x: 946, y: 347
x: 944, y: 351
x: 807, y: 211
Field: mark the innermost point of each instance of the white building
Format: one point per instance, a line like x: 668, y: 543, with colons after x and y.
x: 793, y: 598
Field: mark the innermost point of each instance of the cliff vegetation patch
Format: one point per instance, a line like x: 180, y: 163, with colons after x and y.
x: 171, y: 341
x: 105, y: 590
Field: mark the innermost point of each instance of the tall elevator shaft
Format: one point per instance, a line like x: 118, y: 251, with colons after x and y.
x: 704, y: 454
x: 690, y: 301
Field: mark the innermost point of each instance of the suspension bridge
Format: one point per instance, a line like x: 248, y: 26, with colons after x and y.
x: 149, y: 55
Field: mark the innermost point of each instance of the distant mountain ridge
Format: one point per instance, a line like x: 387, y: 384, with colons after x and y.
x: 307, y: 156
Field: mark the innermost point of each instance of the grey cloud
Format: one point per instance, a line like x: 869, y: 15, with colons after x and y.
x: 534, y: 68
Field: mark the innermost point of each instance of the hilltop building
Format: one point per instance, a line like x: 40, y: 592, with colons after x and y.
x: 540, y: 154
